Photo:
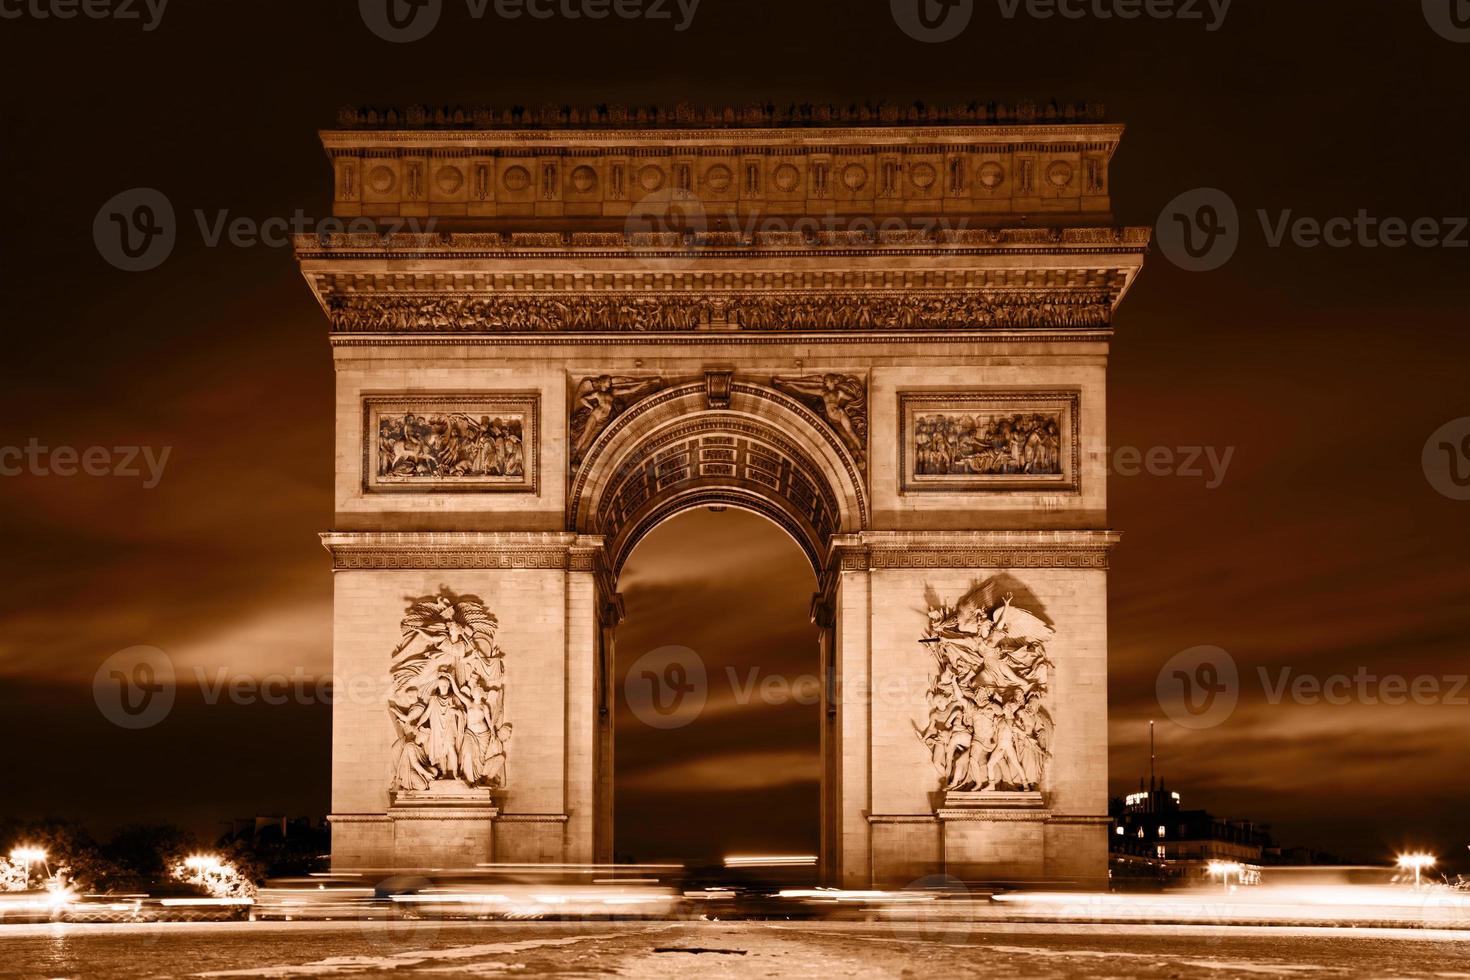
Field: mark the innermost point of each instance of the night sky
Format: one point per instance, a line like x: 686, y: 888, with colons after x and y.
x: 1324, y: 549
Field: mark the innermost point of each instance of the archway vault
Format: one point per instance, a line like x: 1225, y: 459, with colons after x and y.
x: 737, y: 444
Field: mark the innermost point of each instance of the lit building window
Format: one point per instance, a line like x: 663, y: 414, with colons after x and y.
x: 1161, y: 830
x: 1120, y: 831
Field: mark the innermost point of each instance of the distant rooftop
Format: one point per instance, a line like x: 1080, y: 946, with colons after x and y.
x: 750, y: 116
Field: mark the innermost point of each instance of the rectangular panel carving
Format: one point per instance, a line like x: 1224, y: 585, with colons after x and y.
x: 978, y: 440
x: 445, y: 442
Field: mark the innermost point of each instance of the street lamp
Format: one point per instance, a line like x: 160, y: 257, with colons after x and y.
x: 1417, y: 863
x: 203, y: 863
x: 1224, y: 869
x: 28, y: 856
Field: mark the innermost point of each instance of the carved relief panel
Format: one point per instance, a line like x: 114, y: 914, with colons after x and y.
x: 955, y: 441
x: 451, y: 441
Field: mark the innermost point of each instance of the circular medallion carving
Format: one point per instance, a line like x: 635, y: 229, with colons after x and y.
x: 786, y: 177
x: 651, y: 178
x: 382, y: 179
x: 1059, y: 174
x: 923, y: 175
x: 855, y: 176
x: 718, y: 178
x: 516, y: 179
x: 449, y: 179
x: 992, y: 175
x: 584, y: 178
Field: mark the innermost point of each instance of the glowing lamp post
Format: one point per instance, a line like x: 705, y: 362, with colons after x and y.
x: 1416, y: 863
x: 28, y: 856
x: 203, y: 863
x: 1224, y: 869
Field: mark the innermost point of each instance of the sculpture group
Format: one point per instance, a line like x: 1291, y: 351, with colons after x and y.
x: 1029, y: 443
x: 988, y: 726
x: 450, y: 444
x: 448, y: 696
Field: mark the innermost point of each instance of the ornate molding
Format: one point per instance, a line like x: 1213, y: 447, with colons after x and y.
x: 446, y: 550
x: 751, y: 114
x: 994, y: 816
x: 812, y: 311
x: 373, y: 340
x: 922, y: 239
x: 877, y: 550
x: 663, y: 401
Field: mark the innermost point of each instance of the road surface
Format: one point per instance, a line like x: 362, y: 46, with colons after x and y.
x: 718, y: 949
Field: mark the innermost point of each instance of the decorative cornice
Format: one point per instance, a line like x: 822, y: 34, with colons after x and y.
x: 462, y: 814
x: 755, y: 115
x: 450, y: 284
x: 876, y: 550
x: 781, y: 314
x: 924, y: 238
x: 497, y: 550
x: 968, y: 814
x: 601, y: 339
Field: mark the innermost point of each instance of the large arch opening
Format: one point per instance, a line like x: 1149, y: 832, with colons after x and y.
x: 740, y: 452
x: 718, y: 716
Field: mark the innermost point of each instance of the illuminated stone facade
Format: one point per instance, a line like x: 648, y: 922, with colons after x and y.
x: 609, y: 323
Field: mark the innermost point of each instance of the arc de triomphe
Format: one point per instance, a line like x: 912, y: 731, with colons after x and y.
x: 885, y: 330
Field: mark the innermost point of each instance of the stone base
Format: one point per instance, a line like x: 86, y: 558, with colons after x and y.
x: 993, y: 800
x: 447, y: 793
x: 995, y: 837
x: 449, y: 825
